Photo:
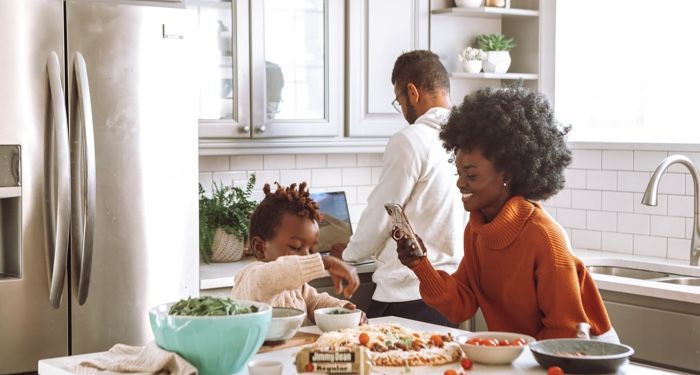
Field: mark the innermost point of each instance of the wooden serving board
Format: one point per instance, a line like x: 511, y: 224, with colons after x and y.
x: 301, y: 338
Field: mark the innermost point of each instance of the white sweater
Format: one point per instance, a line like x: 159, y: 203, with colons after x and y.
x: 416, y: 172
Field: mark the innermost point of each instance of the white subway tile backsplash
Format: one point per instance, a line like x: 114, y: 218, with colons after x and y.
x: 265, y: 177
x: 246, y: 162
x: 585, y: 239
x: 679, y: 249
x: 618, y: 242
x: 237, y: 178
x: 617, y: 201
x: 357, y: 176
x: 689, y: 184
x: 667, y: 226
x: 279, y: 162
x: 575, y: 178
x: 601, y: 180
x: 561, y: 199
x: 647, y: 160
x: 363, y: 193
x: 650, y: 246
x: 586, y: 159
x: 661, y: 207
x: 632, y: 181
x: 588, y: 199
x: 632, y: 223
x: 680, y: 205
x: 213, y: 163
x: 342, y: 160
x: 618, y: 160
x: 672, y: 183
x: 601, y: 221
x: 311, y: 161
x: 570, y: 218
x: 205, y: 181
x: 689, y: 223
x: 326, y: 177
x: 297, y: 176
x: 350, y: 194
x: 369, y: 160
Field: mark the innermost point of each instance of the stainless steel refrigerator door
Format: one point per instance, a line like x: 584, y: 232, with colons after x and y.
x: 30, y: 328
x: 138, y: 61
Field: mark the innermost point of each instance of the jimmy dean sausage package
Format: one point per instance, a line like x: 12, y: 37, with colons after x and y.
x: 353, y: 360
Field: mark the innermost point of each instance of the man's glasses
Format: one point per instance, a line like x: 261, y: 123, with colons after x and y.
x: 396, y: 104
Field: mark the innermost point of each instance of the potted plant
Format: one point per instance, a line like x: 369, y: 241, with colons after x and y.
x: 471, y: 59
x: 223, y: 221
x: 497, y: 47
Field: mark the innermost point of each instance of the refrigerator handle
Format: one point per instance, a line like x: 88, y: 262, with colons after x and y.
x: 57, y: 184
x: 83, y: 181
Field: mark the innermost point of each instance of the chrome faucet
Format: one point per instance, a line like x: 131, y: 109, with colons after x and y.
x: 651, y: 192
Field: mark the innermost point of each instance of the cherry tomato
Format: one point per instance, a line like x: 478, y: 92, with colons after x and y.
x: 519, y: 341
x: 476, y: 342
x: 310, y: 367
x: 555, y: 370
x: 436, y: 340
x: 503, y: 342
x: 466, y: 363
x: 489, y: 342
x: 364, y: 338
x: 450, y: 372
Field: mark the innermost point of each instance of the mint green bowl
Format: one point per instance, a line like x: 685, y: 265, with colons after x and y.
x: 215, y: 345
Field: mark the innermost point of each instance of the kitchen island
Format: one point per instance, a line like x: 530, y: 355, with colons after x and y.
x: 525, y: 364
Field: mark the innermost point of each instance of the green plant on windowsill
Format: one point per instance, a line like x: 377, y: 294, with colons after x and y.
x: 229, y: 209
x: 494, y: 42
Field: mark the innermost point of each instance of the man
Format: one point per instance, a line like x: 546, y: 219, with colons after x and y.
x: 416, y: 173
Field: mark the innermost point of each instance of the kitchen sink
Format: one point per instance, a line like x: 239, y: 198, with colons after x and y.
x: 632, y: 273
x: 692, y: 281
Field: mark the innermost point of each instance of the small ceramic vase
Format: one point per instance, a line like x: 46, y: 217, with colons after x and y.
x: 472, y: 66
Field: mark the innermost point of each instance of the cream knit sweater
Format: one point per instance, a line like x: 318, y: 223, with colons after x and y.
x: 283, y: 283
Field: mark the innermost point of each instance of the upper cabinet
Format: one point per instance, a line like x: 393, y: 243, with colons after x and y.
x: 378, y: 32
x: 270, y: 68
x: 528, y: 22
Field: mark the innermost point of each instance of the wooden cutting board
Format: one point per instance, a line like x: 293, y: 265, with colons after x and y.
x: 301, y: 338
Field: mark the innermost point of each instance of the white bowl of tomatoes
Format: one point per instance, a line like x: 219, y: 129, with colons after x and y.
x: 494, y: 348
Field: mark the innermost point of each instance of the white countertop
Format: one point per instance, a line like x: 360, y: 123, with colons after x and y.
x: 525, y: 364
x: 220, y: 275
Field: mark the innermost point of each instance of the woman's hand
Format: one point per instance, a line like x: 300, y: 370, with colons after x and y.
x: 363, y: 317
x: 405, y: 249
x: 341, y: 272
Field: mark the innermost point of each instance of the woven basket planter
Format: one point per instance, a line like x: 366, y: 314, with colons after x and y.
x: 226, y: 247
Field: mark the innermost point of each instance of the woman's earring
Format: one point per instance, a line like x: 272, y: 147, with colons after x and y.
x: 505, y: 184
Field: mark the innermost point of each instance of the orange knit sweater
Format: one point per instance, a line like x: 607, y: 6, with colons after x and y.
x: 519, y: 270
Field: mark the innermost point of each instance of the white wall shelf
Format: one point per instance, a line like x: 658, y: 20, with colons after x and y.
x: 487, y: 12
x: 523, y: 76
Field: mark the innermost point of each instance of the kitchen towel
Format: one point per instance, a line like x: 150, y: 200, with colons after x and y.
x: 137, y: 360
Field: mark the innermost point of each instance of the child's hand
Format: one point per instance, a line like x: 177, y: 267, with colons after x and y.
x: 341, y: 272
x: 363, y: 317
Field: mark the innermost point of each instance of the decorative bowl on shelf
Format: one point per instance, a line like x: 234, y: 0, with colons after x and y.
x: 469, y: 3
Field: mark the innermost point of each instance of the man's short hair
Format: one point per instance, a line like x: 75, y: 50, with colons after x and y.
x: 422, y: 68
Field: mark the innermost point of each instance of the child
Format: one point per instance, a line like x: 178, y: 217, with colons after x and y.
x: 284, y: 235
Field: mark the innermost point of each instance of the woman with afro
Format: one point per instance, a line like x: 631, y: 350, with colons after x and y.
x: 518, y: 266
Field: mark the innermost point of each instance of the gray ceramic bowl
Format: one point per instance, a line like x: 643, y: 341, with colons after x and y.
x: 580, y: 356
x: 285, y: 323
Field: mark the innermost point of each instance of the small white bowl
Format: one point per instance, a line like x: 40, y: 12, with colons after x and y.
x: 468, y: 3
x: 335, y: 318
x: 493, y: 355
x: 265, y: 368
x: 284, y: 324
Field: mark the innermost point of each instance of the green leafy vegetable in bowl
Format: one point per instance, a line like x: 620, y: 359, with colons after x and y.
x: 209, y: 306
x: 338, y: 312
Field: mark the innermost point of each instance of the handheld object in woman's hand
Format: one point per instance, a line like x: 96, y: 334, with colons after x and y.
x: 402, y: 228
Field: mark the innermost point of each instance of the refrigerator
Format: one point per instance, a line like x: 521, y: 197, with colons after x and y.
x: 98, y: 173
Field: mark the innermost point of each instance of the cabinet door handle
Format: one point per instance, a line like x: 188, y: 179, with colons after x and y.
x: 261, y: 129
x: 244, y: 129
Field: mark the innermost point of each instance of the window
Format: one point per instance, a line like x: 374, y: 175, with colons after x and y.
x: 626, y: 70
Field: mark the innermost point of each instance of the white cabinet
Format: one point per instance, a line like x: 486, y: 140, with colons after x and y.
x: 270, y: 68
x: 528, y: 22
x: 378, y: 32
